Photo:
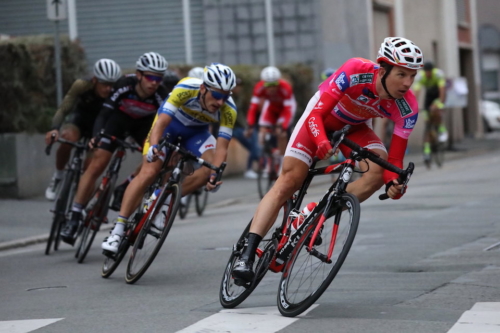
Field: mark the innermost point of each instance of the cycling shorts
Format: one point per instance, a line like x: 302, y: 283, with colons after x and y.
x: 120, y: 124
x: 196, y: 139
x: 84, y: 121
x: 272, y: 114
x: 303, y: 148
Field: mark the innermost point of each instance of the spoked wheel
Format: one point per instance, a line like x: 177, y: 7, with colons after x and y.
x: 232, y: 292
x: 112, y: 261
x: 307, y: 274
x: 151, y: 238
x: 266, y: 174
x: 183, y: 209
x: 59, y: 213
x: 201, y: 197
x: 55, y: 229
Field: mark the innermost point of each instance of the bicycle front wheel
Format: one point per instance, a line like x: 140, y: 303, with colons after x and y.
x: 153, y: 233
x: 309, y: 272
x: 94, y: 219
x: 59, y: 212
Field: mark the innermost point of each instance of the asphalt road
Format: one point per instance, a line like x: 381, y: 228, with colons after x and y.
x: 417, y: 265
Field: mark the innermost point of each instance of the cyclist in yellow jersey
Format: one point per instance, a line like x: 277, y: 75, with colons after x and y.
x: 434, y: 82
x: 187, y: 112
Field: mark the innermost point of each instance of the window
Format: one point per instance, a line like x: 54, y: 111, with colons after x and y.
x: 490, y: 80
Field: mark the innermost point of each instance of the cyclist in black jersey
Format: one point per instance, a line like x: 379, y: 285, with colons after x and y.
x: 83, y: 103
x: 170, y: 79
x: 130, y: 110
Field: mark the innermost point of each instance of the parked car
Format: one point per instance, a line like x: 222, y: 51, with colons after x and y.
x: 491, y: 115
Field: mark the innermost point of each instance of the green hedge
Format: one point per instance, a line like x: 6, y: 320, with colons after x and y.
x: 28, y: 80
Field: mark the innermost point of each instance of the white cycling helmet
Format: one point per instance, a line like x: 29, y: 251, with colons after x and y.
x: 196, y: 72
x: 270, y: 74
x: 219, y: 76
x: 151, y: 62
x: 401, y: 52
x: 107, y: 70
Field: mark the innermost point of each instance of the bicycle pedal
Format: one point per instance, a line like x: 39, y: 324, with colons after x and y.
x: 109, y: 254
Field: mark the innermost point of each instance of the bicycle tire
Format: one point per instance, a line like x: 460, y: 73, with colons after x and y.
x: 201, y: 199
x: 305, y: 276
x: 111, y: 263
x: 183, y: 209
x: 59, y: 213
x: 75, y: 178
x: 231, y: 294
x: 148, y: 238
x: 94, y: 219
x: 265, y: 174
x: 438, y: 153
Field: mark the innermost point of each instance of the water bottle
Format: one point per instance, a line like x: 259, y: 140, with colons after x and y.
x: 302, y: 216
x: 151, y: 199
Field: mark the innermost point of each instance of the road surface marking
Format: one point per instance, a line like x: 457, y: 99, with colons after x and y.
x: 25, y: 326
x: 482, y: 317
x: 261, y: 320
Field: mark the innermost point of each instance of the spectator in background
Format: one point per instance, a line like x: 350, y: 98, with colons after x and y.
x: 240, y: 130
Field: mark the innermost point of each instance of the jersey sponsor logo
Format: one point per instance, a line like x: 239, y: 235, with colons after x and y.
x: 313, y: 127
x: 319, y: 105
x: 210, y: 145
x: 342, y: 82
x: 363, y: 99
x: 301, y: 146
x: 410, y: 122
x: 404, y: 108
x: 361, y: 78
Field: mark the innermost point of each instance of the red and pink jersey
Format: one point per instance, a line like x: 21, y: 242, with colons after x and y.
x: 353, y: 87
x: 350, y: 96
x: 282, y: 103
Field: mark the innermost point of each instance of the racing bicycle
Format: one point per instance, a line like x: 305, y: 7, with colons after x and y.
x: 309, y: 258
x: 150, y: 225
x: 96, y: 211
x: 269, y: 163
x: 66, y: 191
x: 200, y: 200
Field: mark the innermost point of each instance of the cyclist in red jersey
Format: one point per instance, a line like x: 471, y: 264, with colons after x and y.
x: 357, y: 92
x: 274, y: 98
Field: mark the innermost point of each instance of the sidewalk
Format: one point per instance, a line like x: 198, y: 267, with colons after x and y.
x: 27, y: 221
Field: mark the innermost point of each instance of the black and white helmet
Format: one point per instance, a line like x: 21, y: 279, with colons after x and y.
x: 219, y: 76
x: 107, y: 70
x: 151, y: 62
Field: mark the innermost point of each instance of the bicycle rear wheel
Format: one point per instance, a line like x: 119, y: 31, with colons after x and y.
x: 150, y: 239
x: 183, y: 209
x: 59, y: 212
x: 201, y: 197
x: 232, y: 294
x: 438, y: 153
x: 307, y: 274
x: 266, y: 174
